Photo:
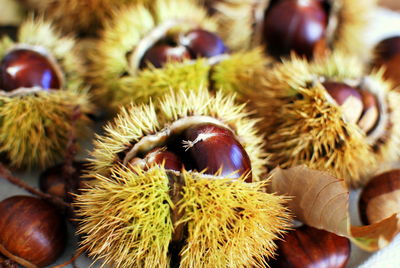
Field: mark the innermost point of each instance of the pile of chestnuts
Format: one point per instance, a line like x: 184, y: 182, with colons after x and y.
x: 189, y: 144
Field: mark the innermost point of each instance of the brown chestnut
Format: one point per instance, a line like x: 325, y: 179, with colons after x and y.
x: 370, y: 115
x: 27, y: 68
x: 307, y: 247
x: 160, y: 54
x: 379, y: 199
x: 32, y: 232
x: 388, y: 48
x: 212, y: 148
x: 158, y: 156
x: 203, y: 43
x: 387, y: 53
x: 295, y: 25
x: 349, y: 98
x: 53, y: 181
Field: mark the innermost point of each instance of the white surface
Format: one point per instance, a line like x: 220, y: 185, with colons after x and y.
x: 383, y: 24
x: 388, y: 257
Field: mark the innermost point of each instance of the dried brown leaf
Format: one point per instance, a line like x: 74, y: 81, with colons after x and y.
x: 321, y: 200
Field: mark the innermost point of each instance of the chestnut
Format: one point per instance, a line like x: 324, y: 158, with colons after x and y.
x: 370, y: 115
x: 52, y: 180
x: 387, y: 53
x: 159, y: 54
x: 379, y: 199
x: 203, y: 43
x: 349, y: 98
x: 158, y: 156
x: 214, y: 148
x: 295, y: 25
x: 194, y: 44
x: 28, y: 68
x: 32, y: 232
x: 307, y: 247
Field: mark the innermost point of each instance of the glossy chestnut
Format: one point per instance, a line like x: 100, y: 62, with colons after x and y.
x: 349, y: 98
x: 387, y: 54
x: 203, y: 43
x: 53, y: 181
x: 379, y: 199
x: 212, y: 148
x: 158, y: 156
x: 307, y: 247
x: 295, y: 25
x: 28, y: 68
x: 32, y: 232
x: 160, y: 54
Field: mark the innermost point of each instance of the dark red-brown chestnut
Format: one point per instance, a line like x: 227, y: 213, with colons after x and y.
x: 210, y: 147
x: 295, y: 25
x: 53, y: 181
x: 32, y: 232
x: 307, y: 247
x: 159, y: 54
x: 158, y: 156
x: 387, y: 54
x: 27, y: 68
x: 379, y: 199
x: 203, y: 43
x: 349, y: 98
